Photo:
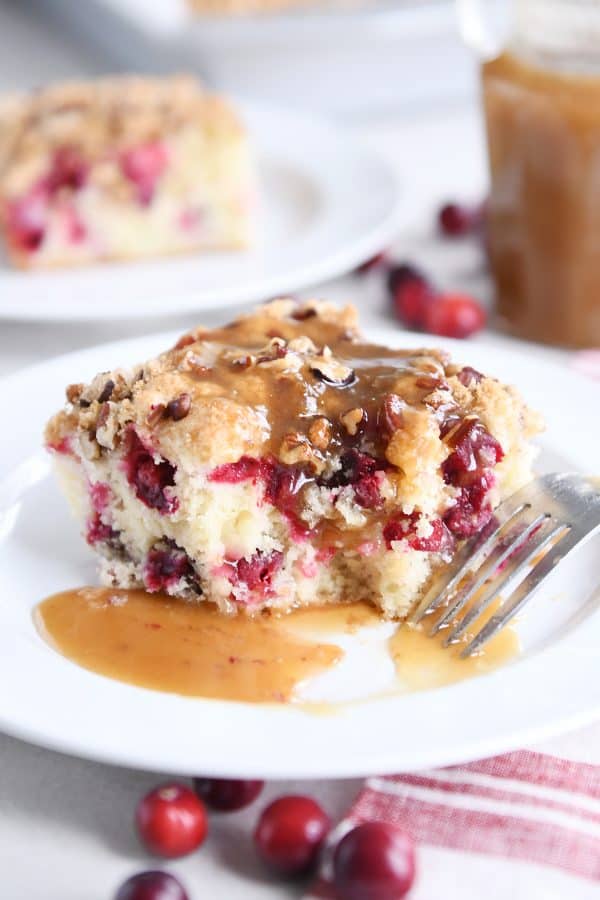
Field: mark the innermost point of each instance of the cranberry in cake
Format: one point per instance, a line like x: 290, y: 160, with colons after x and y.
x: 122, y: 168
x: 283, y: 460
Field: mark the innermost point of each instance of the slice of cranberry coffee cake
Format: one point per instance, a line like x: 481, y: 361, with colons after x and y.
x: 122, y: 168
x: 282, y: 460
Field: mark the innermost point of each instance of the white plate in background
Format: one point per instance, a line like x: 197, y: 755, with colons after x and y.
x: 348, y: 57
x: 328, y: 203
x: 48, y: 700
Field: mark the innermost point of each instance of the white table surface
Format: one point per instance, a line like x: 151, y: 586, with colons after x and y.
x: 65, y: 824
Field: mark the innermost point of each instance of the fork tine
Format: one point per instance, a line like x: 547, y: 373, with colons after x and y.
x: 523, y: 593
x: 525, y: 551
x: 471, y: 555
x: 487, y: 571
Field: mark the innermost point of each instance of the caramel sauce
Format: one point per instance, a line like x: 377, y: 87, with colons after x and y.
x: 423, y: 663
x: 333, y: 619
x: 543, y: 212
x: 237, y: 363
x: 294, y: 393
x: 157, y: 642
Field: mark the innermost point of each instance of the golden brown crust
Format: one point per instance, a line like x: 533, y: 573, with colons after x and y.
x: 250, y: 389
x: 110, y: 113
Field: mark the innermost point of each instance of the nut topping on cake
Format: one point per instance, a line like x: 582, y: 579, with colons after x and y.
x: 351, y: 420
x: 179, y: 407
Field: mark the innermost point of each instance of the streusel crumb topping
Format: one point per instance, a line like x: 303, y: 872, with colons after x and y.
x: 297, y: 383
x: 110, y: 113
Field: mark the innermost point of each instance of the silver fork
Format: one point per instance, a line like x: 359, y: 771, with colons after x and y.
x: 548, y: 518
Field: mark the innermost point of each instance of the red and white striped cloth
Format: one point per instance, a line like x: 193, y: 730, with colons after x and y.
x: 524, y: 825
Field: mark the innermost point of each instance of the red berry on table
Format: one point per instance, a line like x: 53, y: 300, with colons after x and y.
x: 411, y: 299
x: 289, y: 834
x: 171, y: 820
x: 374, y: 861
x: 454, y: 315
x: 373, y: 263
x: 151, y: 886
x: 401, y: 272
x: 227, y: 794
x: 457, y: 220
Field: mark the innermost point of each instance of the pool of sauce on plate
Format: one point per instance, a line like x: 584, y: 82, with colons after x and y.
x: 422, y: 662
x: 158, y: 642
x: 166, y: 644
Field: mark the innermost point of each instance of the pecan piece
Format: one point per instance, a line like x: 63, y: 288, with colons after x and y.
x: 296, y: 450
x: 351, y: 419
x: 103, y: 415
x: 469, y: 376
x: 391, y: 413
x: 184, y: 341
x: 193, y: 363
x: 331, y: 371
x: 431, y: 382
x: 179, y: 407
x: 106, y: 392
x: 275, y: 349
x: 74, y: 392
x: 460, y: 430
x: 302, y: 314
x: 243, y: 362
x: 155, y: 414
x: 319, y: 433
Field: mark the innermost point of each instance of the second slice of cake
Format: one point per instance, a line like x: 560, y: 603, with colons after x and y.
x: 122, y: 168
x: 282, y: 460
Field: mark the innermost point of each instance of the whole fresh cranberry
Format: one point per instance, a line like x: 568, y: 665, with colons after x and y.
x: 374, y: 861
x: 227, y: 794
x: 373, y: 263
x: 457, y: 219
x: 289, y: 834
x: 152, y: 885
x: 412, y: 299
x: 401, y: 272
x: 454, y: 315
x: 171, y: 820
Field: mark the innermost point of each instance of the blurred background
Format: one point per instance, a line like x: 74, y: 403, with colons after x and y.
x: 354, y: 58
x: 395, y: 73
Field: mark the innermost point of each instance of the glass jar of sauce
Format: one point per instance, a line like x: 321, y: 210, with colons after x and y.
x: 542, y: 111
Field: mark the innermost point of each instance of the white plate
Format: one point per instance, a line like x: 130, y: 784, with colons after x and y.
x: 48, y: 700
x: 354, y: 58
x: 328, y: 204
x: 165, y: 18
